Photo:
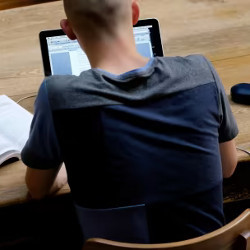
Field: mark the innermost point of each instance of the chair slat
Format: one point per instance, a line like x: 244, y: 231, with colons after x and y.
x: 233, y: 236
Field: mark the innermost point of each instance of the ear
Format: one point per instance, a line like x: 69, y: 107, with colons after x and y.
x: 67, y: 29
x: 135, y: 11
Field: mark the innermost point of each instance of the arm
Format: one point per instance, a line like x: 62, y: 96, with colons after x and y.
x: 42, y: 183
x: 45, y: 173
x: 228, y: 128
x: 228, y: 158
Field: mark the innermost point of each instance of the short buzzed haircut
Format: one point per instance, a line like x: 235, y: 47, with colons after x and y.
x: 96, y: 18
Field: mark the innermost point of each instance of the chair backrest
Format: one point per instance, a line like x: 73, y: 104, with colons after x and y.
x: 233, y: 236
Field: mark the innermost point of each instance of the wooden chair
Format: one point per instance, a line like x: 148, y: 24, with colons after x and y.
x: 233, y: 236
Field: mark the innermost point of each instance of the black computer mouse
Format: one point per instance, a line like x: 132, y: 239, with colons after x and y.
x: 240, y: 93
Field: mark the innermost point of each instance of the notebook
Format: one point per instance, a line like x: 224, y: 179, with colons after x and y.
x: 62, y: 56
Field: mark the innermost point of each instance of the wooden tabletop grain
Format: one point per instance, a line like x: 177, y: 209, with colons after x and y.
x: 220, y: 30
x: 9, y: 4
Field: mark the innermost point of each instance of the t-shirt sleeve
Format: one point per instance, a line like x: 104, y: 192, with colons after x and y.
x: 42, y: 150
x: 228, y: 127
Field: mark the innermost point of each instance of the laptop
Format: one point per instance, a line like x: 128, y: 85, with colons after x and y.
x: 62, y: 56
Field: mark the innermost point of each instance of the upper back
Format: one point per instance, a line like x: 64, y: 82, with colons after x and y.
x: 151, y: 134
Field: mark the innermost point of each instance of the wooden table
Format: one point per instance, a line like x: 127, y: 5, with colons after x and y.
x: 8, y: 4
x: 218, y: 29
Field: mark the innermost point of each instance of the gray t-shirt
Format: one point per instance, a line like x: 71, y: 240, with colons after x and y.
x: 150, y: 136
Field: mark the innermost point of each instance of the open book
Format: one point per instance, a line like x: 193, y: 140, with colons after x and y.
x: 15, y: 124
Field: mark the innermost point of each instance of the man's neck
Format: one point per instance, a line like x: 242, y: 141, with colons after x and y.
x: 116, y: 57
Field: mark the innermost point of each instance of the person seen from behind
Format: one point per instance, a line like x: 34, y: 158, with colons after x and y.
x: 144, y: 143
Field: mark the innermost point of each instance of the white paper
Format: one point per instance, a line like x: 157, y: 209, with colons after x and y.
x: 15, y: 124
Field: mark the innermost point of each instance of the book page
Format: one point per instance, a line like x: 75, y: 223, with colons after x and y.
x: 15, y: 124
x: 7, y: 150
x: 6, y: 145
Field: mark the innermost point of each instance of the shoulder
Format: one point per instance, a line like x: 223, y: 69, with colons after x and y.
x: 64, y: 82
x: 184, y: 73
x: 62, y: 88
x: 59, y: 82
x: 191, y: 63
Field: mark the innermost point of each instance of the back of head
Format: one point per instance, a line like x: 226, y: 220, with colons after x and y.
x: 96, y: 19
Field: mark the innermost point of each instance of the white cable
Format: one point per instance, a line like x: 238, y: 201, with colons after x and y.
x: 244, y: 150
x: 24, y: 98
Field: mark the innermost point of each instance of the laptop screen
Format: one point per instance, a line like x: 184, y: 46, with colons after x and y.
x: 62, y: 56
